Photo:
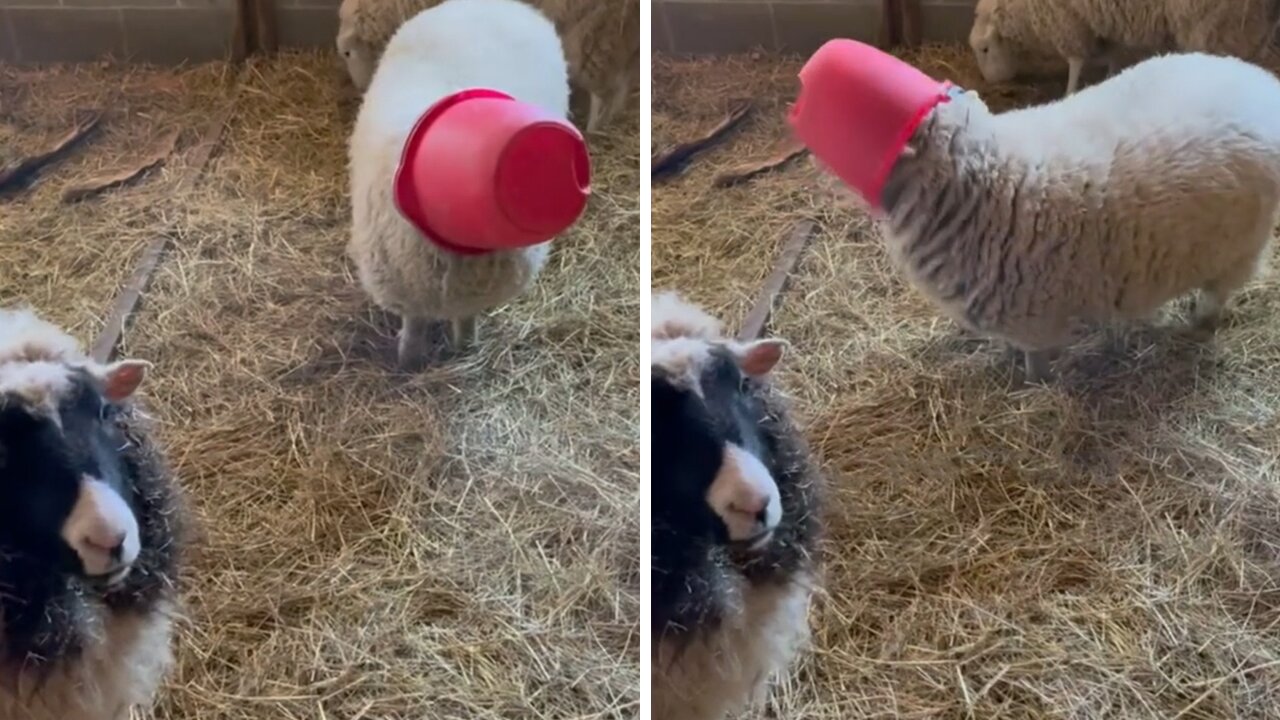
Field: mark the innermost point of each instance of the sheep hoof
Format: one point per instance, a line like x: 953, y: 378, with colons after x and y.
x: 464, y: 333
x: 414, y: 347
x: 1039, y: 366
x: 1208, y: 315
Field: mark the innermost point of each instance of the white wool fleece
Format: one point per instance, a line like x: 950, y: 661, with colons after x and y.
x: 1101, y: 206
x: 504, y: 45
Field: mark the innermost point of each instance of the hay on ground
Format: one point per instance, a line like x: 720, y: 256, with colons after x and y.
x: 1108, y: 547
x: 462, y: 543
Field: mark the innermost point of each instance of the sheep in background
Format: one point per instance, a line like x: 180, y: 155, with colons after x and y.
x: 88, y: 533
x: 1083, y: 30
x: 1105, y: 205
x: 602, y: 42
x: 364, y: 29
x: 734, y: 520
x: 500, y: 44
x: 601, y: 39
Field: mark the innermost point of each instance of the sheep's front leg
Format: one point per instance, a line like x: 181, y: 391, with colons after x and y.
x: 464, y: 332
x: 1074, y: 67
x: 415, y: 343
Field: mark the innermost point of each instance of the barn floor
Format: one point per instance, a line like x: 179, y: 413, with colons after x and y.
x: 461, y: 543
x: 1108, y: 547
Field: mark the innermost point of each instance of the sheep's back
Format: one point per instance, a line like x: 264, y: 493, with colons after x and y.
x: 1153, y: 184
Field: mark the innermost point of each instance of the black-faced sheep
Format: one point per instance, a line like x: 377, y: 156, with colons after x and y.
x: 734, y: 525
x: 89, y: 533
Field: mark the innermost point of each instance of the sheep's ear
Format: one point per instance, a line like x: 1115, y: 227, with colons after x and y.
x: 121, y: 379
x: 758, y: 357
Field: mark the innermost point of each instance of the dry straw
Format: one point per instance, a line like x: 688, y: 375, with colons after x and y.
x: 461, y: 543
x: 1108, y: 547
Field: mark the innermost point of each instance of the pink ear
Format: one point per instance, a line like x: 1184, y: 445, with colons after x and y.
x: 123, y: 378
x: 759, y: 357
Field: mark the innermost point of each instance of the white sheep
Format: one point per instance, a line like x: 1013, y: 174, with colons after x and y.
x: 504, y: 45
x: 89, y: 533
x: 1032, y: 224
x: 1080, y: 31
x: 734, y: 520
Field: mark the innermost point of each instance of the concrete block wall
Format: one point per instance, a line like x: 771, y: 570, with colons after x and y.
x: 155, y: 31
x: 712, y: 27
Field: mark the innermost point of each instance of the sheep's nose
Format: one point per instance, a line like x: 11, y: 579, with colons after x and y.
x: 753, y: 504
x: 111, y: 544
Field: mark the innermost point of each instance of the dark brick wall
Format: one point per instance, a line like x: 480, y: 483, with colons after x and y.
x: 709, y: 27
x: 157, y: 31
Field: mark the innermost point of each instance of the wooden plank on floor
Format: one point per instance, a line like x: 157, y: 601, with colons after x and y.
x: 131, y: 295
x: 753, y: 326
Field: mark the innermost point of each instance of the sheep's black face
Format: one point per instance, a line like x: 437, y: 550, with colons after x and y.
x: 711, y: 477
x: 64, y: 496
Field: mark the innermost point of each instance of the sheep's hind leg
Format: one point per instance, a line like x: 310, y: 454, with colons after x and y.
x: 464, y: 333
x: 415, y: 343
x: 1212, y: 303
x: 1074, y: 67
x: 1038, y: 366
x: 595, y: 116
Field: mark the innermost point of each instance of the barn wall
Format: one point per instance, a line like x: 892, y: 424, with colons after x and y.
x: 158, y: 31
x: 710, y: 27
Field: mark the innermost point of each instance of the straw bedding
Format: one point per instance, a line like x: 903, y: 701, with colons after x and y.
x: 462, y: 543
x: 1108, y: 547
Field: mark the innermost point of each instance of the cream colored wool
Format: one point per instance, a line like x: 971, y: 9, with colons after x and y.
x: 1030, y: 225
x: 1080, y: 31
x: 722, y: 671
x: 499, y: 44
x: 364, y: 29
x: 121, y: 670
x: 602, y: 42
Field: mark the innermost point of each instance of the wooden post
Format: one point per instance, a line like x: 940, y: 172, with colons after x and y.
x: 890, y: 24
x: 240, y: 33
x: 912, y: 23
x: 266, y: 38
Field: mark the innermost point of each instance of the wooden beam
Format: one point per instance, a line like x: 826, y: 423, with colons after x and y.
x: 241, y: 42
x: 161, y: 151
x: 753, y: 326
x: 127, y: 301
x: 266, y: 37
x: 673, y: 161
x: 912, y: 23
x: 22, y: 172
x: 890, y: 33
